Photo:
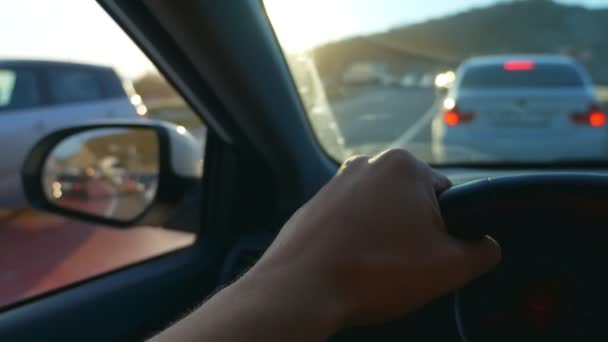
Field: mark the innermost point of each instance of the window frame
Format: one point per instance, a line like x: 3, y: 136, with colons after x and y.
x: 104, y: 76
x: 48, y: 70
x: 39, y: 86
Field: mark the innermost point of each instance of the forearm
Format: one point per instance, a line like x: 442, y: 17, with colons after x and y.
x: 259, y: 307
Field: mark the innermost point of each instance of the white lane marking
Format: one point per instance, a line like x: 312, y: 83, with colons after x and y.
x: 413, y: 131
x: 375, y: 117
x: 112, y: 207
x: 150, y: 193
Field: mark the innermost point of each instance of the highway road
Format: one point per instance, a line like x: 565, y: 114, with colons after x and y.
x: 379, y: 116
x: 106, y: 200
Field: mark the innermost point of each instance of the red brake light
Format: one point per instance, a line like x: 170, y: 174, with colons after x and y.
x: 454, y: 117
x: 597, y: 119
x: 520, y: 65
x: 594, y: 117
x: 451, y: 118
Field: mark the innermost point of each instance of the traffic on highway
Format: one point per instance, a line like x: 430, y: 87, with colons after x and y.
x: 510, y: 102
x: 545, y: 105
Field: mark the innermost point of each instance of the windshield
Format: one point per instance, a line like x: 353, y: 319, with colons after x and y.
x: 542, y: 76
x: 452, y: 81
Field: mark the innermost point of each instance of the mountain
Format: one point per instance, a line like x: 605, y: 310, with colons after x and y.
x: 526, y: 26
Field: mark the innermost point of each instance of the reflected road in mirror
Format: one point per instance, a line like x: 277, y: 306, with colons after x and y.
x: 106, y: 172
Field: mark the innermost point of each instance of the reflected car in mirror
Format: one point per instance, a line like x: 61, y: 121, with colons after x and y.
x: 113, y: 173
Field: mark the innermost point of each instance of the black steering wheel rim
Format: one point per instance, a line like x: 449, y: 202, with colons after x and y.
x: 570, y: 208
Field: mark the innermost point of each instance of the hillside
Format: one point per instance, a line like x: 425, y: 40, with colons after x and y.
x: 529, y: 26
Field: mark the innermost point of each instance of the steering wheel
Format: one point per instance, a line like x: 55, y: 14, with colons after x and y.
x: 550, y: 284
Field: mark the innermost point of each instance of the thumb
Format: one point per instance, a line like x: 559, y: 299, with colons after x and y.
x: 479, y: 257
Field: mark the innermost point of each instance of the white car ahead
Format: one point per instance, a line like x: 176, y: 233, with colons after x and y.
x: 526, y: 108
x: 38, y: 97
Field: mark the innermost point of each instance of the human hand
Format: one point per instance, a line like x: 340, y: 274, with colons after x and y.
x: 371, y: 245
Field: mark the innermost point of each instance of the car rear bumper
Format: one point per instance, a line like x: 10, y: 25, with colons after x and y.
x: 588, y: 145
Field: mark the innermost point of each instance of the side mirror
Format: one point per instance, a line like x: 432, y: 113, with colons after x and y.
x: 116, y: 174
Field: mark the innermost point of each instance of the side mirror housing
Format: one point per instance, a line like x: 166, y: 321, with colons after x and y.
x: 118, y: 174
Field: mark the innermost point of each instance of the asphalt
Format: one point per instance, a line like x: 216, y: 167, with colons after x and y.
x: 378, y: 117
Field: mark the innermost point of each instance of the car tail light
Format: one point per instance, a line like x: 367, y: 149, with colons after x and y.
x: 597, y: 119
x: 453, y: 117
x: 594, y: 117
x: 518, y: 65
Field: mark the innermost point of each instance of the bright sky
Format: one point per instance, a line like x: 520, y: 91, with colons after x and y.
x: 76, y: 30
x: 304, y: 23
x: 79, y: 29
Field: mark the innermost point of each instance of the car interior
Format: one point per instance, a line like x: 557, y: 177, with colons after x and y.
x: 263, y: 160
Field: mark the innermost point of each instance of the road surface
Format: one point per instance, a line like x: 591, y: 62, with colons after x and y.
x: 378, y: 117
x: 104, y: 199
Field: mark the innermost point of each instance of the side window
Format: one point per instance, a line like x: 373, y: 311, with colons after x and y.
x: 111, y: 84
x: 18, y: 89
x: 40, y: 252
x: 71, y: 86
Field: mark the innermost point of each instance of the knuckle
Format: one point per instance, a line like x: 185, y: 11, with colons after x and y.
x: 355, y: 161
x: 398, y: 159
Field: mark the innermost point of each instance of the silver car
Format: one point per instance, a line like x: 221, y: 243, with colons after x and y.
x: 536, y: 108
x: 38, y: 97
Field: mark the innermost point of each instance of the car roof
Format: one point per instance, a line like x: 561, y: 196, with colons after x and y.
x: 38, y: 63
x: 501, y: 59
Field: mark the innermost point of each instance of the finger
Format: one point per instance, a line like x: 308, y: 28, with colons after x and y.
x: 394, y: 156
x: 353, y: 163
x: 440, y: 182
x: 477, y: 258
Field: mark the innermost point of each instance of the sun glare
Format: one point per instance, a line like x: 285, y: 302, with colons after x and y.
x: 300, y: 25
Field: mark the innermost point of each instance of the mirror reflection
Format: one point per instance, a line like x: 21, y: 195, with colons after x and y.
x: 107, y: 172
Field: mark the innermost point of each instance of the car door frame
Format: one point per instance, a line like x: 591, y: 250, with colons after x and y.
x: 262, y: 161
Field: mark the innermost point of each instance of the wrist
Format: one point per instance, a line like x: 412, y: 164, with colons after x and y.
x: 290, y: 294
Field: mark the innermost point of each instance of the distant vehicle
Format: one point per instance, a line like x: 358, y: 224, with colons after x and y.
x: 38, y: 97
x: 388, y: 80
x: 518, y: 108
x: 360, y: 74
x: 408, y: 80
x: 71, y: 184
x: 367, y: 74
x: 112, y: 170
x: 427, y: 80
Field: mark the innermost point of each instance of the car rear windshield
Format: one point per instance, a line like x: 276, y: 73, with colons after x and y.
x: 539, y: 76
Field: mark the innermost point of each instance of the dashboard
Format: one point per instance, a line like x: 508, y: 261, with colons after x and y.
x: 463, y: 175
